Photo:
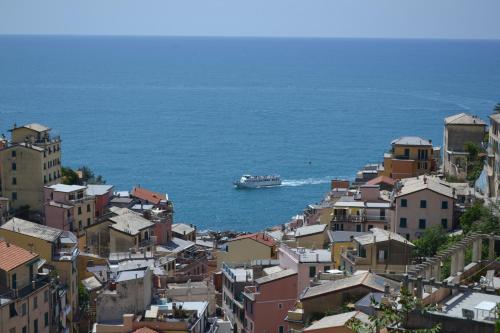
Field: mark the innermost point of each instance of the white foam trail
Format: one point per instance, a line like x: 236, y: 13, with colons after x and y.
x: 306, y: 181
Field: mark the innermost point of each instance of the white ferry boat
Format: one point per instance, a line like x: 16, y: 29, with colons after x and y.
x: 248, y: 181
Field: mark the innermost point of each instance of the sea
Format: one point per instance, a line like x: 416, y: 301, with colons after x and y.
x: 189, y: 115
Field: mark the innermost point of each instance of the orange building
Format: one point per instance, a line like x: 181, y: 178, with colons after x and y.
x: 410, y: 156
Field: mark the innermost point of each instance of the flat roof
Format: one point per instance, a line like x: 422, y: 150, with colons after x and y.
x: 310, y: 230
x: 276, y: 276
x: 98, y: 189
x: 66, y: 188
x: 32, y: 229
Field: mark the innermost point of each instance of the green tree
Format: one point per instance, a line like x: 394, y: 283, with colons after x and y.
x: 394, y: 313
x: 430, y: 242
x: 83, y: 297
x: 475, y: 160
x: 69, y: 176
x: 88, y: 176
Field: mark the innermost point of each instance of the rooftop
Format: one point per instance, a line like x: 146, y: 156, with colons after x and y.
x: 130, y: 222
x: 130, y: 275
x: 175, y: 245
x: 415, y: 184
x: 35, y: 127
x: 32, y: 229
x: 313, y: 255
x: 411, y: 141
x: 469, y: 300
x: 344, y: 236
x: 337, y: 320
x: 258, y: 237
x: 377, y: 235
x: 66, y: 188
x: 147, y: 195
x: 91, y: 283
x: 238, y: 274
x: 12, y: 256
x: 98, y: 189
x: 310, y: 230
x: 182, y: 228
x: 276, y: 276
x: 464, y: 119
x: 368, y: 280
x: 381, y: 180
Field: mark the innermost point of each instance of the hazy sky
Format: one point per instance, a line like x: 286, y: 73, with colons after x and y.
x: 301, y: 18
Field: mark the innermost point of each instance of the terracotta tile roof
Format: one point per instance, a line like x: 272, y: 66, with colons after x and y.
x: 12, y: 256
x: 380, y: 180
x: 144, y: 330
x: 147, y: 195
x: 258, y: 237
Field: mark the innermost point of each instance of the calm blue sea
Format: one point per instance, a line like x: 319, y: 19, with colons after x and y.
x: 187, y: 116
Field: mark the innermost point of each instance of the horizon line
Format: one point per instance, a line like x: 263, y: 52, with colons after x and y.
x: 253, y: 37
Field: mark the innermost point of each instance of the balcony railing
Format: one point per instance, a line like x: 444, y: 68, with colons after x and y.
x: 146, y: 242
x: 349, y: 218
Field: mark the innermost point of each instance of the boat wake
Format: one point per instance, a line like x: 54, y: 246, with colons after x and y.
x: 306, y: 181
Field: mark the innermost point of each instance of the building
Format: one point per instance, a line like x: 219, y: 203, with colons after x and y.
x: 378, y: 251
x: 29, y: 162
x: 129, y: 291
x: 361, y: 212
x: 68, y: 207
x: 184, y: 231
x: 267, y: 302
x: 308, y: 263
x: 234, y: 281
x: 493, y: 165
x: 342, y: 241
x: 153, y: 198
x: 460, y: 129
x: 337, y: 323
x: 181, y: 317
x: 385, y: 183
x: 24, y: 295
x: 245, y: 248
x: 59, y: 249
x: 102, y: 196
x: 311, y: 236
x: 410, y: 156
x: 420, y: 203
x: 129, y: 230
x: 330, y: 296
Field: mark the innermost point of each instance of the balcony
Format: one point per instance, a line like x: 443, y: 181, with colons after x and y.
x: 147, y: 242
x: 38, y: 283
x: 360, y: 218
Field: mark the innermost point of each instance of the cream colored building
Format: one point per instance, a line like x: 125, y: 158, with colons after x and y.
x: 130, y: 230
x: 31, y: 161
x: 25, y: 297
x: 421, y: 203
x: 311, y: 236
x: 58, y: 248
x: 244, y: 249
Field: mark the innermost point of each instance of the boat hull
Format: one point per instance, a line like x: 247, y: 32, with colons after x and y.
x: 241, y: 185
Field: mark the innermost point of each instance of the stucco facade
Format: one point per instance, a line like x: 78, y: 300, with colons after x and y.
x: 244, y: 250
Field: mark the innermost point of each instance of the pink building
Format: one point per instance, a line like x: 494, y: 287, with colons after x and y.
x: 306, y: 262
x: 102, y: 195
x: 267, y: 302
x: 68, y: 207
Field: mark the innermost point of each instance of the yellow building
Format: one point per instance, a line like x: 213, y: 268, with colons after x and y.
x: 342, y: 241
x: 30, y: 161
x: 244, y: 249
x: 58, y: 248
x: 311, y: 236
x: 130, y: 230
x: 25, y: 300
x: 410, y: 156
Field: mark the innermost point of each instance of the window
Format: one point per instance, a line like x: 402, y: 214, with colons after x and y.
x: 281, y: 329
x: 35, y: 326
x: 88, y: 208
x: 14, y: 181
x: 402, y: 222
x: 407, y: 152
x: 407, y: 236
x: 35, y: 302
x: 14, y: 166
x: 312, y: 271
x: 370, y: 226
x: 444, y: 223
x: 12, y: 310
x: 14, y: 281
x: 45, y: 179
x: 46, y: 319
x: 326, y: 268
x: 13, y: 153
x: 444, y: 205
x: 404, y: 203
x: 46, y: 296
x: 79, y: 225
x: 88, y: 221
x: 14, y: 195
x: 358, y: 228
x: 23, y: 309
x: 280, y: 305
x: 79, y: 210
x: 423, y: 203
x: 421, y: 224
x: 25, y: 329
